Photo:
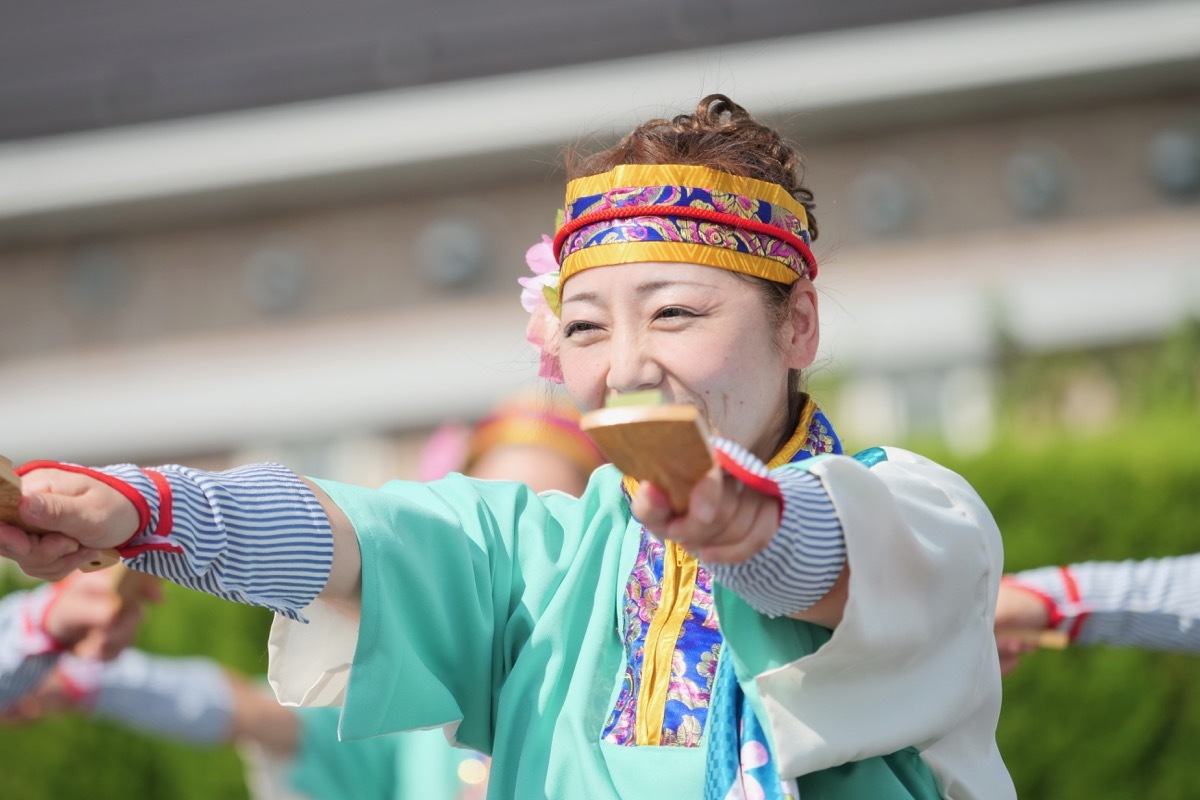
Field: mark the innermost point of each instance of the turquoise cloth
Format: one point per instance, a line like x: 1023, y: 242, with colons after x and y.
x: 755, y: 644
x: 485, y: 603
x: 419, y: 765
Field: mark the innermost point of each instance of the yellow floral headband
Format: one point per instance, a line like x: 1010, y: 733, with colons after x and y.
x: 672, y: 212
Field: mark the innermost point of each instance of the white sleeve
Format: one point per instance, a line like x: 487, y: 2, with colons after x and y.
x: 913, y: 661
x: 27, y: 654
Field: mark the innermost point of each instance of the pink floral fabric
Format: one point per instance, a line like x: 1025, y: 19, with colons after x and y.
x: 693, y: 666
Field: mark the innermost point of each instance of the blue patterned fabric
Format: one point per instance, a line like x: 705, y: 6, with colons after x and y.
x: 729, y: 215
x: 737, y: 205
x: 740, y: 764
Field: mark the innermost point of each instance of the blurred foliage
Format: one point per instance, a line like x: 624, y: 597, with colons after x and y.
x: 1099, y: 721
x: 1092, y: 387
x: 1086, y: 723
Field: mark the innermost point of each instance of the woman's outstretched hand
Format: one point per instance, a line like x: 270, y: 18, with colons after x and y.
x: 85, y: 516
x: 726, y: 522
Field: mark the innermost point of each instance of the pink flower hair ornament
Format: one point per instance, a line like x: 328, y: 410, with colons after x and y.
x: 539, y: 296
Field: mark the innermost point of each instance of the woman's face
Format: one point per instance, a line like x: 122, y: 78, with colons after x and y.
x: 697, y: 334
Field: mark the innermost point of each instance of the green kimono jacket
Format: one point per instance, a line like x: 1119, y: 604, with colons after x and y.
x: 496, y: 613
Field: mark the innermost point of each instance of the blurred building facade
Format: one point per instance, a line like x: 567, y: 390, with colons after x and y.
x: 298, y: 237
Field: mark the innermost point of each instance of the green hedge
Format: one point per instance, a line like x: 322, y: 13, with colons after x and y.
x: 1101, y: 721
x: 1085, y: 723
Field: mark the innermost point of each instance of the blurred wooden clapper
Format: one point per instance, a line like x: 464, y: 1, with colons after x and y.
x: 665, y: 444
x: 10, y: 498
x: 1047, y: 639
x: 132, y: 588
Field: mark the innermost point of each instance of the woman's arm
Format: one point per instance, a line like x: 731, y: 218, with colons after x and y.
x: 344, y: 587
x: 38, y: 625
x: 27, y: 650
x: 259, y: 535
x: 912, y: 660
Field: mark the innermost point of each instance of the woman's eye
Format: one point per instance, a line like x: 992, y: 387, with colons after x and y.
x: 572, y: 328
x: 674, y: 312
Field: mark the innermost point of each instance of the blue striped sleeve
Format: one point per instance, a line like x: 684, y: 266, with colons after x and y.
x: 188, y: 699
x: 255, y: 535
x: 805, y: 556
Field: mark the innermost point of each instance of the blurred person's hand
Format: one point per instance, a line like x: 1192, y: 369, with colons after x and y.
x: 91, y: 618
x: 53, y: 696
x: 1020, y: 615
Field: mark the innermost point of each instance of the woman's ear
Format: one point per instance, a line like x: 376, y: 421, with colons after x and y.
x: 805, y: 329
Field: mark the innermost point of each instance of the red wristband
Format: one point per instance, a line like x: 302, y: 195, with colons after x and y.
x: 35, y: 628
x: 1073, y: 596
x: 741, y: 465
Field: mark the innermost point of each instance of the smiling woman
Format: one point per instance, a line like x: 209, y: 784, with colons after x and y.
x: 814, y: 624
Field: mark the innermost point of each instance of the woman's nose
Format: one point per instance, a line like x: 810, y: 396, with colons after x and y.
x: 632, y: 367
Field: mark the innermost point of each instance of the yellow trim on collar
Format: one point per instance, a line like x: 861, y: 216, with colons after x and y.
x: 680, y: 570
x: 799, y: 437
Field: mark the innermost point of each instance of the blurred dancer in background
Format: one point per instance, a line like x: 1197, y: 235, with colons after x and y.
x: 84, y: 612
x: 1153, y: 604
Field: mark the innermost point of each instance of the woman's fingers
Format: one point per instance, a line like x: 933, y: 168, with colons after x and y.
x: 14, y: 542
x: 53, y: 556
x: 652, y: 507
x: 35, y: 550
x: 748, y: 534
x: 742, y: 523
x: 88, y: 510
x: 706, y: 501
x: 725, y: 522
x: 120, y: 633
x: 709, y: 512
x: 1011, y: 652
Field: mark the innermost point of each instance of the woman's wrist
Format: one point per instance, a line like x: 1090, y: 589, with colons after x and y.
x: 807, y: 553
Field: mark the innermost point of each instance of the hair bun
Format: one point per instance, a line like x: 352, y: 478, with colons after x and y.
x: 719, y: 134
